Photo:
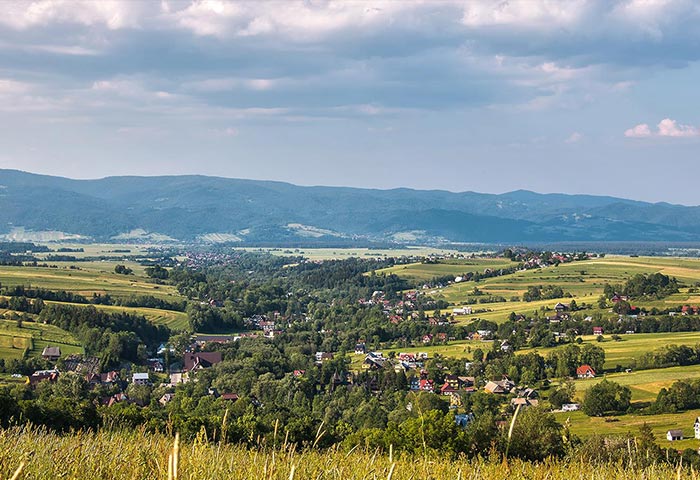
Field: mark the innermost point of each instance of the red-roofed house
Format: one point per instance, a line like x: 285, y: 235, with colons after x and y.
x: 585, y: 371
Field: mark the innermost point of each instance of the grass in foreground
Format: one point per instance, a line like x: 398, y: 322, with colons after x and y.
x: 139, y: 455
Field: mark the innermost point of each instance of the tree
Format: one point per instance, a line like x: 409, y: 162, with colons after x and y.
x: 536, y: 436
x: 123, y: 270
x: 564, y: 394
x: 606, y: 397
x: 592, y: 355
x: 158, y: 272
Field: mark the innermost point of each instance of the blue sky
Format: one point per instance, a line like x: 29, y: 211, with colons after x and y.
x: 580, y: 96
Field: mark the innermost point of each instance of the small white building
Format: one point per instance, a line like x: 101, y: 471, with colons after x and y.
x: 570, y: 407
x: 673, y: 435
x: 696, y: 427
x: 140, y: 379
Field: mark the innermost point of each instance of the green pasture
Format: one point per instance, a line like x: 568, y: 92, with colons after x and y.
x: 584, y: 280
x: 427, y: 271
x: 584, y: 426
x: 97, y: 277
x: 34, y: 337
x: 632, y: 346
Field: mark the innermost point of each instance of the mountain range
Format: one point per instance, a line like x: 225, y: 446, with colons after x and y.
x: 213, y: 209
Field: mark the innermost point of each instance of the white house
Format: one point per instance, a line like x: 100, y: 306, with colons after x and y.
x: 140, y: 379
x: 570, y: 407
x: 672, y: 435
x: 696, y: 427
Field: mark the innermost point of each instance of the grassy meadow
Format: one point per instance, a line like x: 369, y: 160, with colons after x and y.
x: 32, y: 453
x: 99, y: 278
x: 34, y: 337
x: 96, y: 278
x: 584, y: 280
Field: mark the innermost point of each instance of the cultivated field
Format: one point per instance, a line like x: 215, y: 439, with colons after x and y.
x: 584, y: 280
x: 91, y: 278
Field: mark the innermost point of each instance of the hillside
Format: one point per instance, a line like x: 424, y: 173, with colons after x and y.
x: 187, y: 208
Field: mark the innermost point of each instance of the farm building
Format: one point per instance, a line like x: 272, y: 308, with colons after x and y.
x: 673, y: 435
x: 51, y: 353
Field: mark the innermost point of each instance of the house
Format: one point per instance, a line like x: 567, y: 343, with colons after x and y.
x: 373, y: 363
x: 202, y: 340
x: 407, y: 357
x: 229, y: 397
x: 597, y: 330
x: 524, y: 402
x: 570, y: 407
x: 673, y: 435
x: 484, y: 334
x: 561, y: 307
x: 427, y: 338
x: 176, y: 378
x: 462, y: 311
x: 696, y: 427
x: 360, y: 349
x: 502, y: 386
x: 51, y: 353
x: 166, y: 398
x: 140, y: 379
x: 198, y: 360
x: 422, y: 385
x: 619, y: 298
x: 155, y: 365
x: 585, y: 371
x: 41, y: 375
x: 323, y: 357
x: 117, y: 398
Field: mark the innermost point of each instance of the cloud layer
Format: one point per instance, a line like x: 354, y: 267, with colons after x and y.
x: 301, y: 89
x: 665, y: 128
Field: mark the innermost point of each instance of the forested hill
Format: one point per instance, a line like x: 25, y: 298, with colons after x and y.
x: 223, y: 209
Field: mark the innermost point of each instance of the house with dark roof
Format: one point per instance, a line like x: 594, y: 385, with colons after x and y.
x: 51, y: 353
x: 198, y: 360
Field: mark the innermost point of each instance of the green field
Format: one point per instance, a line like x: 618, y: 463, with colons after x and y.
x: 427, y: 271
x: 96, y: 278
x: 632, y: 346
x: 99, y: 278
x: 34, y: 337
x: 584, y: 426
x: 584, y: 280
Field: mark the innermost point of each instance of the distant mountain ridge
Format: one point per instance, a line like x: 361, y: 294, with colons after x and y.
x: 191, y: 207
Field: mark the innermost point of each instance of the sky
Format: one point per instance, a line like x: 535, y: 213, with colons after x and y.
x: 573, y: 96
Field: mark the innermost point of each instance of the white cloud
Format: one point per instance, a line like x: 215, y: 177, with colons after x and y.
x: 523, y: 13
x: 665, y: 128
x: 669, y: 128
x: 574, y: 137
x: 113, y: 14
x: 638, y: 131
